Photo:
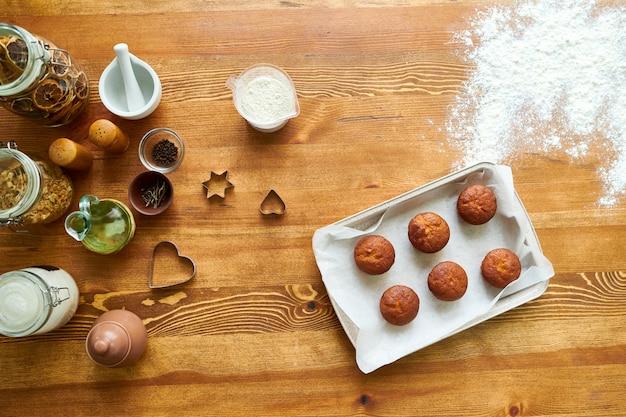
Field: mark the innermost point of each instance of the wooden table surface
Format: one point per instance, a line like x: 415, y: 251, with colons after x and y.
x: 254, y: 332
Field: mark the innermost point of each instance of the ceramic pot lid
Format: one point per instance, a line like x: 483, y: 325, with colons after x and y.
x: 108, y: 343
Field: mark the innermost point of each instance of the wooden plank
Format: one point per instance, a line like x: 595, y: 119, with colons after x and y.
x: 253, y: 333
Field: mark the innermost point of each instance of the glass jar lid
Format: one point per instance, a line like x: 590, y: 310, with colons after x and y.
x: 24, y: 305
x: 22, y: 59
x: 20, y: 183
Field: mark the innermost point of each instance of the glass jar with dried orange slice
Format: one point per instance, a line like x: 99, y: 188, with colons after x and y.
x: 38, y: 80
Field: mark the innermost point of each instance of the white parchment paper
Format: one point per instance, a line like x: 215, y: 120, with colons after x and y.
x: 357, y: 293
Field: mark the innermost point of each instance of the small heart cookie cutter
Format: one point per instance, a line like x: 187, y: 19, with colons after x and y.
x: 272, y: 204
x: 186, y: 258
x: 210, y: 184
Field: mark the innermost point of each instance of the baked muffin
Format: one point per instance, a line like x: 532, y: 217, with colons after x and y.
x: 447, y: 281
x: 374, y: 254
x: 428, y: 232
x: 477, y: 204
x: 399, y: 305
x: 500, y: 267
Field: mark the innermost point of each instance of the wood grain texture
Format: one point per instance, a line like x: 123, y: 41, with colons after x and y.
x: 254, y: 333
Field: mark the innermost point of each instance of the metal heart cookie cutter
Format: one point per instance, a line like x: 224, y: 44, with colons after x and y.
x: 168, y: 261
x: 272, y: 204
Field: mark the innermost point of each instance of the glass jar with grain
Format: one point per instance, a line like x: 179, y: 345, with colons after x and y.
x: 32, y: 190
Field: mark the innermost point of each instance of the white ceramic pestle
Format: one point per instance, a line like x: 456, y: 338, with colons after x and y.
x: 134, y: 96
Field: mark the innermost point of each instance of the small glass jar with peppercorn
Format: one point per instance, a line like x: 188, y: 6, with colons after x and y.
x: 161, y: 150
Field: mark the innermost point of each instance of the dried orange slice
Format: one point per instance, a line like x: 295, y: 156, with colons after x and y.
x: 59, y: 63
x: 81, y: 86
x: 5, y: 39
x: 18, y: 52
x: 48, y: 94
x: 9, y: 71
x: 23, y: 106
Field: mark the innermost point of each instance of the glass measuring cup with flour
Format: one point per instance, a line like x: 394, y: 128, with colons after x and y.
x: 265, y: 96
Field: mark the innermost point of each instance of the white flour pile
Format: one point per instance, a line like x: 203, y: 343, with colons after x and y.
x: 265, y: 99
x: 550, y: 75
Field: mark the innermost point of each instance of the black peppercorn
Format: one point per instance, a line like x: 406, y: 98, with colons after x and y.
x: 164, y: 153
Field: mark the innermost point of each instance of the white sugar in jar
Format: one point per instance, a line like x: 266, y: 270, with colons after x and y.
x: 36, y: 300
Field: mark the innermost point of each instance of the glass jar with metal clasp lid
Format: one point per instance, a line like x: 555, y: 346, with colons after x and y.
x: 38, y: 80
x: 32, y: 190
x: 36, y: 300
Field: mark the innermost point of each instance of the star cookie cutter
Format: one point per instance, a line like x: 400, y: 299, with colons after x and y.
x: 217, y: 185
x: 272, y: 204
x: 167, y: 258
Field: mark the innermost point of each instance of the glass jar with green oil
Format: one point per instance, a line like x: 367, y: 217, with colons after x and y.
x: 103, y: 226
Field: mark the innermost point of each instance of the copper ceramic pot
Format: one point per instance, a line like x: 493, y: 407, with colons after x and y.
x: 118, y: 338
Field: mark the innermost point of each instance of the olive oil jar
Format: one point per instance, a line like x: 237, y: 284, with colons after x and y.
x: 38, y: 80
x: 103, y: 226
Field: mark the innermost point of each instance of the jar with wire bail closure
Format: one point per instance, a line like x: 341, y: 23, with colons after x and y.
x: 38, y: 80
x: 32, y: 191
x: 36, y: 300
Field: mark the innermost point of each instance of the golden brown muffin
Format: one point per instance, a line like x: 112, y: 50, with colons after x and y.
x: 476, y: 204
x: 447, y: 281
x: 500, y: 267
x: 374, y: 254
x: 428, y: 232
x: 399, y: 305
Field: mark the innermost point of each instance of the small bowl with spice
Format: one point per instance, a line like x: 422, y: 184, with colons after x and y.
x: 161, y: 150
x: 150, y: 193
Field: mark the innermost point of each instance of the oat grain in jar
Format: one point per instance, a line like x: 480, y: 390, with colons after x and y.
x: 32, y: 191
x: 38, y: 80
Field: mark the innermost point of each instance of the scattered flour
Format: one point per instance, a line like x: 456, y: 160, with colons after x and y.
x: 548, y: 75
